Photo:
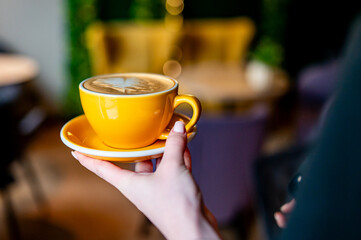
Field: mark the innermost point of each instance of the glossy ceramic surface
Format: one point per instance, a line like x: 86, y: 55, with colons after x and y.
x: 142, y: 118
x: 78, y: 135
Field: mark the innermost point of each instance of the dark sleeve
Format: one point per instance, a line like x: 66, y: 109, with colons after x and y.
x: 329, y: 199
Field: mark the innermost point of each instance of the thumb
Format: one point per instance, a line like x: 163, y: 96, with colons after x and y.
x: 175, y: 145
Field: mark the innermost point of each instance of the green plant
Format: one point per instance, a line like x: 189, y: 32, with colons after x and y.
x: 147, y: 9
x: 268, y: 52
x: 80, y: 14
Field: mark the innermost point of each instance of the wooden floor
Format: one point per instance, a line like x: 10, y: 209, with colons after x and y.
x: 78, y: 205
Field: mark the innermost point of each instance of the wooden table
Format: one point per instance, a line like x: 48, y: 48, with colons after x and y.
x: 220, y: 85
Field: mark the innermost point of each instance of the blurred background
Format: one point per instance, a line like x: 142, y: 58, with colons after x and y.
x: 265, y: 72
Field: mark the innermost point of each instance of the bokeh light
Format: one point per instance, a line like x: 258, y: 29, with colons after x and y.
x: 172, y: 68
x: 174, y: 7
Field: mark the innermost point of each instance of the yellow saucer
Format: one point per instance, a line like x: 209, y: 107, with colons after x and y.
x: 78, y: 135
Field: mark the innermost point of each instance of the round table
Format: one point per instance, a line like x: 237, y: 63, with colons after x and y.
x: 15, y: 72
x: 221, y: 85
x: 16, y: 69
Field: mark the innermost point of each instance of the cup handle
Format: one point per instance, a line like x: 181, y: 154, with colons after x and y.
x: 196, y: 106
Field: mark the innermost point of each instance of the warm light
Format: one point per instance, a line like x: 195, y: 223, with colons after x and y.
x: 175, y: 3
x: 173, y: 23
x: 172, y: 68
x: 177, y: 53
x: 174, y: 10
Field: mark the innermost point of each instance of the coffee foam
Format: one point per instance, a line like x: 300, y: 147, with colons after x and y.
x: 128, y: 85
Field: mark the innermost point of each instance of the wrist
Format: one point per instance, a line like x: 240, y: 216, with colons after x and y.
x: 189, y: 223
x: 205, y: 230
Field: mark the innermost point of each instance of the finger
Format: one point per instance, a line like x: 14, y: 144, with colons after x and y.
x: 188, y: 160
x: 288, y: 207
x: 116, y: 176
x: 175, y: 145
x: 280, y: 219
x: 144, y: 167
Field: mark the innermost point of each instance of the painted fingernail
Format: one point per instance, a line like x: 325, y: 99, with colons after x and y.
x: 179, y: 127
x: 285, y: 207
x: 74, y: 155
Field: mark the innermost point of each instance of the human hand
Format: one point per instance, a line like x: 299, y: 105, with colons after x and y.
x: 169, y: 197
x: 281, y: 216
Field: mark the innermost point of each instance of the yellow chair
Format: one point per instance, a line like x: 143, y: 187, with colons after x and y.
x: 129, y: 46
x: 223, y: 40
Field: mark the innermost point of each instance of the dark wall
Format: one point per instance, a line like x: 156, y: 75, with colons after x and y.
x: 316, y: 31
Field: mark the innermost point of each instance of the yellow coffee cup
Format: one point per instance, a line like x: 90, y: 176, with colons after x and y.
x: 128, y: 110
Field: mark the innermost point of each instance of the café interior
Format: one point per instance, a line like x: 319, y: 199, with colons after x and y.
x: 262, y: 70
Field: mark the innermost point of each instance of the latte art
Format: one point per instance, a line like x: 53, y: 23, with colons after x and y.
x: 127, y: 85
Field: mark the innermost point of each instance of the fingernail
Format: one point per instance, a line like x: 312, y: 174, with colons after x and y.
x: 179, y: 127
x: 74, y: 155
x: 284, y: 208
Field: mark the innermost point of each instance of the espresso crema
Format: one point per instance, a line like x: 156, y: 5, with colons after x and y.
x: 124, y: 85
